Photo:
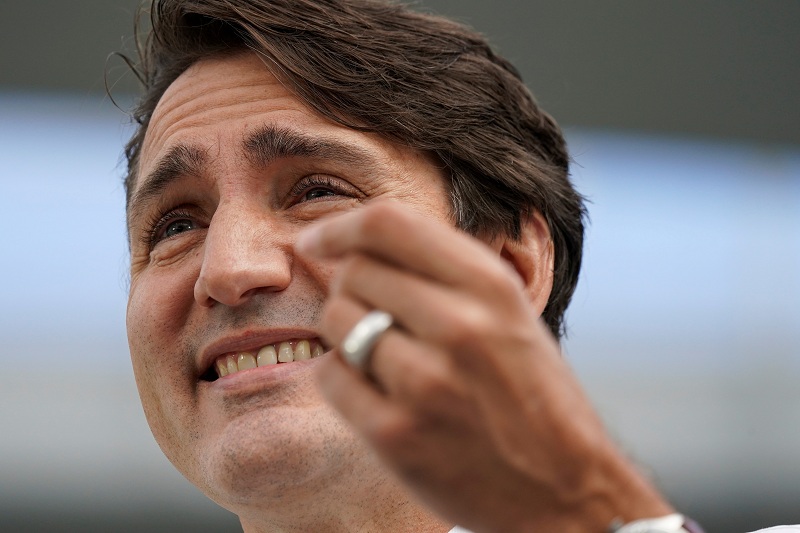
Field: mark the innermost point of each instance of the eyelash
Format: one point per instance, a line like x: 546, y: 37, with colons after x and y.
x: 310, y: 182
x: 158, y: 222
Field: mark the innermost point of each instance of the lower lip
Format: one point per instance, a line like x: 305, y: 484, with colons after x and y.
x: 262, y: 376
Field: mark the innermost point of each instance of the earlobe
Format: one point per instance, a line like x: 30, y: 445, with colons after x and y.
x: 532, y: 257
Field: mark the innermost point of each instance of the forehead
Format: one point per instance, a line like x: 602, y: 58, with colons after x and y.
x: 214, y: 92
x: 218, y: 100
x: 220, y: 105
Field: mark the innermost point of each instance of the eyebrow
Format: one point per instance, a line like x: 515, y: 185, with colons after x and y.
x: 269, y: 143
x: 261, y: 148
x: 180, y: 160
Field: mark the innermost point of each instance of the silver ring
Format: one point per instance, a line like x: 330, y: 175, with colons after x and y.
x: 357, y: 346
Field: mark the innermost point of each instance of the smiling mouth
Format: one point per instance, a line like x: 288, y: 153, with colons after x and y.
x: 270, y: 354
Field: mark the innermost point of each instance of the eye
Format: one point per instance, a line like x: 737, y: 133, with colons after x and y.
x: 169, y: 225
x: 178, y: 226
x: 317, y: 192
x: 320, y: 187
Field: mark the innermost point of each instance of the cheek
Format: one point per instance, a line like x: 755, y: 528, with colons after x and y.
x: 157, y: 310
x: 158, y: 307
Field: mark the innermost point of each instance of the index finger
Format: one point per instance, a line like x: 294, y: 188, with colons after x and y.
x: 408, y: 240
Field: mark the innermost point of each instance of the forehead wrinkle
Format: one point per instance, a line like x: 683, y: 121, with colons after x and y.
x: 181, y: 160
x: 270, y: 142
x: 189, y: 109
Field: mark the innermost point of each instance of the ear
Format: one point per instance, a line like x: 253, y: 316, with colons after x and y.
x: 532, y: 257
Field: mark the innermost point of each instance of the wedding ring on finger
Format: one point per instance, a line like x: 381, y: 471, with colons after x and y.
x: 358, y: 344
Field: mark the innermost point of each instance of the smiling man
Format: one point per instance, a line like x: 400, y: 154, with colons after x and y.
x: 232, y: 168
x: 299, y: 163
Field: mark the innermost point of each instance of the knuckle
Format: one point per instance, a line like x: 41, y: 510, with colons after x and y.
x: 502, y: 281
x: 430, y: 387
x: 352, y: 275
x: 352, y: 268
x: 471, y: 324
x: 382, y: 219
x: 374, y: 220
x: 392, y: 433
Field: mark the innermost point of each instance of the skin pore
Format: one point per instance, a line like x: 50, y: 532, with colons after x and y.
x: 232, y: 169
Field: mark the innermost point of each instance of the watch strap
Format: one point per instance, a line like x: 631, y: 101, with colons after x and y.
x: 673, y: 523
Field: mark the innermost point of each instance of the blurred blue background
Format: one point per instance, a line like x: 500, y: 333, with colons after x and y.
x: 685, y: 327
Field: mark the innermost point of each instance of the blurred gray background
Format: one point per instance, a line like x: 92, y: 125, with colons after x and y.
x: 683, y: 121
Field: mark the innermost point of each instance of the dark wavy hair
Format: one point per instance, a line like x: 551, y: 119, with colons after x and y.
x: 417, y: 79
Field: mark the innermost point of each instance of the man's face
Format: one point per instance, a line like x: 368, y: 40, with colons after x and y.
x: 232, y: 168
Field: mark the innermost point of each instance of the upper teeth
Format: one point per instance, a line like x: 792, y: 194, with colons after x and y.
x: 284, y: 352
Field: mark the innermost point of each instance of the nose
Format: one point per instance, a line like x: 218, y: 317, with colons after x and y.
x: 245, y: 253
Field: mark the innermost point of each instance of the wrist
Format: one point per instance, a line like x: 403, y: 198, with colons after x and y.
x: 613, y: 491
x: 626, y: 495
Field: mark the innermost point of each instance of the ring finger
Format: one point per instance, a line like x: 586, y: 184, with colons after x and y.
x: 407, y: 369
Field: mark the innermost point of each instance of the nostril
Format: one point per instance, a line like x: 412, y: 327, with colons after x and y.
x: 230, y: 275
x: 201, y: 294
x: 230, y: 290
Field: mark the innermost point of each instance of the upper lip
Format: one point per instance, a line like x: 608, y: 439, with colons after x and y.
x: 250, y: 340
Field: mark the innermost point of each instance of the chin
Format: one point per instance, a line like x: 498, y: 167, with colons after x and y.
x: 274, y: 455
